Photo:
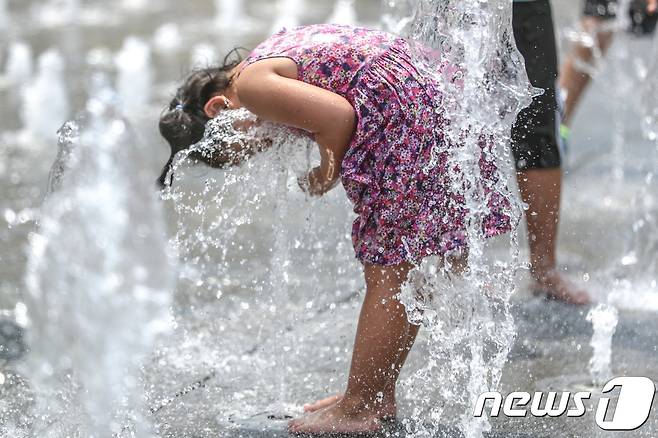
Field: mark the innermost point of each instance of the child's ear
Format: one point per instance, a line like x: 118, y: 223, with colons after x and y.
x: 214, y: 106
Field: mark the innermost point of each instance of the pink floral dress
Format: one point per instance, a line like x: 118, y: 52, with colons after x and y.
x: 404, y: 212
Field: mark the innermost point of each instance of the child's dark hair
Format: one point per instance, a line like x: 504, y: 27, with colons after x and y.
x: 183, y: 122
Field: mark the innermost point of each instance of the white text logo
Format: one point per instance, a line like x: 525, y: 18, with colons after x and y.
x: 631, y: 411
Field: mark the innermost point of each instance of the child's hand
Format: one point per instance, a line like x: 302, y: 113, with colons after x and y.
x: 315, y: 184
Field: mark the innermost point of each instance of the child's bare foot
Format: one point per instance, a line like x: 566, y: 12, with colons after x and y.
x: 556, y: 287
x: 322, y: 403
x: 387, y: 410
x: 341, y: 417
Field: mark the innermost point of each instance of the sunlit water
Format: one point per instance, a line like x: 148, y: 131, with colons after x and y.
x: 268, y: 289
x: 98, y: 270
x: 485, y: 86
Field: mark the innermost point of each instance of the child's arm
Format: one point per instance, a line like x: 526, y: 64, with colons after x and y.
x: 276, y: 97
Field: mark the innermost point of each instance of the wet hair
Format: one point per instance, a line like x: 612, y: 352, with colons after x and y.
x: 183, y: 122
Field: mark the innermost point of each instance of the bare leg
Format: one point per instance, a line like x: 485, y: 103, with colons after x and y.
x: 389, y: 407
x: 383, y: 333
x: 574, y: 81
x: 541, y: 189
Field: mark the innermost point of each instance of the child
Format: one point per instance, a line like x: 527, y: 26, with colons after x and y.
x: 378, y: 126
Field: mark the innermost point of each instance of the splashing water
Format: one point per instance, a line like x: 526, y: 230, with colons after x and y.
x: 637, y: 268
x: 98, y: 281
x: 275, y: 258
x: 252, y: 246
x: 45, y: 104
x: 604, y: 319
x: 135, y: 79
x: 397, y: 15
x: 251, y: 178
x: 221, y: 243
x: 468, y: 320
x: 68, y: 139
x: 470, y: 327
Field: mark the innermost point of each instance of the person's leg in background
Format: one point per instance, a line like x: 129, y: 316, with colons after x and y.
x: 536, y: 152
x: 573, y: 80
x: 597, y: 15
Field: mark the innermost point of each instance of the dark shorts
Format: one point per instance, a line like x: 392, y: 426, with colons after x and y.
x: 601, y: 8
x: 535, y: 133
x: 641, y: 22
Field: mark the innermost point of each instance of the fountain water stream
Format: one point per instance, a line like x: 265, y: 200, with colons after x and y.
x: 45, y: 103
x: 470, y: 325
x: 18, y: 69
x: 468, y: 349
x: 98, y: 281
x: 604, y: 319
x: 135, y: 77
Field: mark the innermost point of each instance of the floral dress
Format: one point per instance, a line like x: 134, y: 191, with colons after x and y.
x: 405, y: 212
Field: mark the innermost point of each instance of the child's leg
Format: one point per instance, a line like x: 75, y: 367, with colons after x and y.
x: 383, y: 334
x: 458, y: 263
x: 389, y: 407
